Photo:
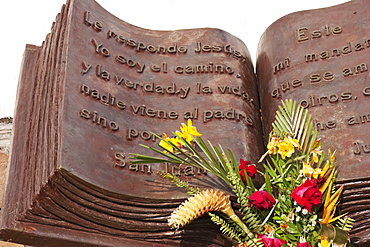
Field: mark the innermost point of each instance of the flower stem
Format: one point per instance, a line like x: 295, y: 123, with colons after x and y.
x: 230, y: 212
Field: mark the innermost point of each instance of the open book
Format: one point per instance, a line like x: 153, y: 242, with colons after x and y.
x: 98, y: 87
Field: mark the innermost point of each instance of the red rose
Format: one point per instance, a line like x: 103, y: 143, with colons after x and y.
x: 307, y: 194
x: 271, y: 242
x: 247, y: 166
x: 305, y: 244
x: 262, y: 200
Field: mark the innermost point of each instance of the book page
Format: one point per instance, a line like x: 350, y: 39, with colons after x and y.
x: 97, y: 89
x: 125, y: 83
x: 320, y: 59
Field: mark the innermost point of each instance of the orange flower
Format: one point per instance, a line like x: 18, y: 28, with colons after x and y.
x: 284, y: 226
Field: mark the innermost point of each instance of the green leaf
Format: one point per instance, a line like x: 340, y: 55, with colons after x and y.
x: 270, y: 170
x: 213, y: 165
x: 292, y: 118
x: 292, y: 228
x: 268, y: 183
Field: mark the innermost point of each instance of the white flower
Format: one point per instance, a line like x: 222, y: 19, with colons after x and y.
x: 304, y: 211
x: 302, y: 239
x: 298, y: 218
x: 314, y: 223
x: 298, y: 209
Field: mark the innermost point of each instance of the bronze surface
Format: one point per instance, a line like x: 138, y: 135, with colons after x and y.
x: 88, y: 97
x: 320, y: 59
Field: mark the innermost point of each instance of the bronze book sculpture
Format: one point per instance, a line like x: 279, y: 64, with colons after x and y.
x: 99, y: 86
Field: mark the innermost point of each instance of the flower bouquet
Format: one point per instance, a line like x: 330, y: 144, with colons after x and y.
x: 294, y: 205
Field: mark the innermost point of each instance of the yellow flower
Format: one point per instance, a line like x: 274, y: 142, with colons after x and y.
x: 310, y: 171
x: 287, y: 147
x: 192, y: 129
x: 166, y: 142
x: 315, y: 157
x: 188, y: 131
x: 176, y: 141
x: 292, y: 141
x: 316, y: 151
x: 188, y: 138
x: 324, y: 243
x: 272, y: 145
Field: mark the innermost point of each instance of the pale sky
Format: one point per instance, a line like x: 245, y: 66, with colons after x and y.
x: 28, y: 21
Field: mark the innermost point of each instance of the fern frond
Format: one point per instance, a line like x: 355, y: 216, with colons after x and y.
x: 235, y: 232
x: 254, y: 243
x: 228, y: 227
x: 192, y: 190
x: 250, y: 218
x: 238, y: 187
x: 242, y: 195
